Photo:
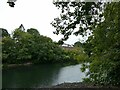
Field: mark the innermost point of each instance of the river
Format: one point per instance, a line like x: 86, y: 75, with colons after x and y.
x: 35, y: 76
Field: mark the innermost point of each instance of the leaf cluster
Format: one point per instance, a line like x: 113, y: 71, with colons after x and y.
x: 29, y: 46
x: 81, y: 15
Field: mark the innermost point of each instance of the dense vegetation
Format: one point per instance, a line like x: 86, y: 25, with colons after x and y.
x: 31, y: 47
x: 102, y: 21
x: 105, y: 48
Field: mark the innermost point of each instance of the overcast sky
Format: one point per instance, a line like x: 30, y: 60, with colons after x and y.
x: 32, y: 14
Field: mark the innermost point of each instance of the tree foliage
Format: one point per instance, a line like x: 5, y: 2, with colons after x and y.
x: 4, y: 33
x: 102, y: 46
x: 81, y: 15
x: 29, y: 46
x: 105, y: 52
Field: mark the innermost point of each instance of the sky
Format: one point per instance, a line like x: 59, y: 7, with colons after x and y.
x: 36, y: 14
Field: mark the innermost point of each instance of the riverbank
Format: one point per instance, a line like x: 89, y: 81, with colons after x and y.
x: 16, y: 65
x: 30, y: 63
x: 84, y: 85
x: 74, y: 86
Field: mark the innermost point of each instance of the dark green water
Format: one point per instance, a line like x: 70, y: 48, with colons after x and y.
x: 35, y: 76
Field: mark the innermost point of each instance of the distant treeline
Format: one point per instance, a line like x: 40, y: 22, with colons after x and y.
x: 24, y: 46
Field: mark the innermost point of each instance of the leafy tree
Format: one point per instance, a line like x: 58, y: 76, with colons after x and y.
x: 103, y: 46
x: 7, y: 49
x: 81, y: 15
x: 4, y: 33
x: 105, y: 62
x: 33, y: 31
x: 23, y: 47
x: 78, y: 44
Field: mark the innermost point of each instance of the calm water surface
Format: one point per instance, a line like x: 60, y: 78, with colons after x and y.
x: 35, y: 76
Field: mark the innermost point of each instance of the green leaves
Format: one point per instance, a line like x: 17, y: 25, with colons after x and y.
x: 30, y: 46
x: 103, y: 46
x: 104, y: 57
x: 33, y: 32
x: 4, y: 33
x: 77, y: 14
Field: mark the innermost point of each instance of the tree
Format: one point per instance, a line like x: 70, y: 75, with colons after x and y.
x: 104, y: 54
x: 22, y: 42
x: 103, y: 46
x: 7, y: 49
x: 4, y: 33
x: 23, y: 47
x: 78, y: 44
x: 81, y: 15
x: 33, y: 31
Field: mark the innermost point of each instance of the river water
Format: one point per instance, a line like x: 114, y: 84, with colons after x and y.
x: 35, y: 76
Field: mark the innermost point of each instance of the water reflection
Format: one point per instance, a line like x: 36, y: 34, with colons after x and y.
x: 70, y: 74
x: 40, y: 75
